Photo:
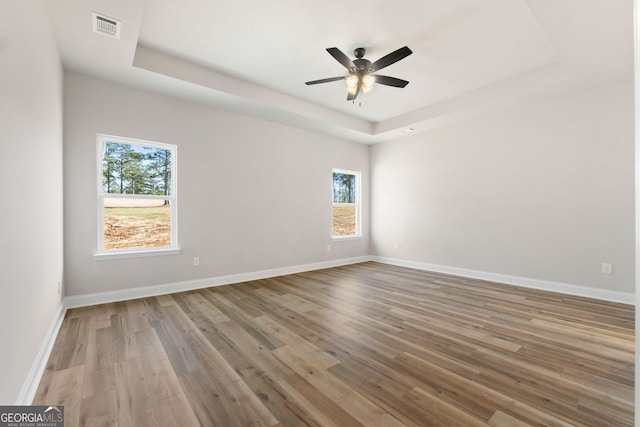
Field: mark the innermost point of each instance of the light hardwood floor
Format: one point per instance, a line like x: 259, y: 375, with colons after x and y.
x: 360, y: 345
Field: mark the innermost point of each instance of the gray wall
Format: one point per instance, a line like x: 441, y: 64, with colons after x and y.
x: 252, y: 195
x: 543, y: 190
x: 31, y: 176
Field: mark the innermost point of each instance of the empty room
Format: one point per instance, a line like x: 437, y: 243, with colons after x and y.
x: 407, y: 213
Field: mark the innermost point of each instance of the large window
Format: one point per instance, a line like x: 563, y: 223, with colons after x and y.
x: 137, y: 203
x: 346, y: 203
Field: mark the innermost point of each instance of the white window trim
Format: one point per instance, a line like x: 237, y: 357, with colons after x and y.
x: 357, y: 204
x: 102, y: 254
x: 138, y: 253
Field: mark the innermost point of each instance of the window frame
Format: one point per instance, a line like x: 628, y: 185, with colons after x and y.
x: 357, y: 204
x: 173, y: 248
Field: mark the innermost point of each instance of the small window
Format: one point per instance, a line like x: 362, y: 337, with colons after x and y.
x: 346, y: 203
x: 137, y: 195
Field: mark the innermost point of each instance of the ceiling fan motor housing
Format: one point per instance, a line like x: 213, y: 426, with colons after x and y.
x: 363, y: 65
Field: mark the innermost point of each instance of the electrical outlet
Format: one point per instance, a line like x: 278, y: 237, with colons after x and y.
x: 607, y: 268
x: 59, y: 287
x: 196, y: 261
x: 397, y: 245
x: 328, y: 248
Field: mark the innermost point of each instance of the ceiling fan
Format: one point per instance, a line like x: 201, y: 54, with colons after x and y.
x: 360, y: 78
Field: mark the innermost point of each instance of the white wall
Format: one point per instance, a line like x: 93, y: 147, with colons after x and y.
x: 544, y: 190
x: 31, y: 176
x: 253, y: 195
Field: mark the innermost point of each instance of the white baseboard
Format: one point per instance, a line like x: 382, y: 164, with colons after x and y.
x: 169, y: 288
x: 31, y: 383
x: 565, y: 288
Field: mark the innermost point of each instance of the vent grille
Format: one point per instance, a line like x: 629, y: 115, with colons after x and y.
x: 105, y: 25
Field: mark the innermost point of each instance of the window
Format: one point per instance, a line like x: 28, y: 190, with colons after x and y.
x: 346, y: 203
x: 136, y: 197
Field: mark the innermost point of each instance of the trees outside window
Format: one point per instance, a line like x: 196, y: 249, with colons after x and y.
x: 137, y: 194
x: 346, y: 203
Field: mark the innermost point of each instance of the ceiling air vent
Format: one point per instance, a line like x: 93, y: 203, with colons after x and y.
x: 105, y: 25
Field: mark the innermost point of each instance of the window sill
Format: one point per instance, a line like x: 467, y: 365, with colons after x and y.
x: 358, y: 237
x: 105, y: 256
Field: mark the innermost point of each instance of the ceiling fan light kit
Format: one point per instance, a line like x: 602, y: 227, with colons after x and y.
x: 361, y: 77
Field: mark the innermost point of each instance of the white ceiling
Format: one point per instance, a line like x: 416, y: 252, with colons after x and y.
x: 254, y: 56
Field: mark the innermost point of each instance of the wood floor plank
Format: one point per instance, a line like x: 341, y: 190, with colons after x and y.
x: 257, y: 367
x: 150, y: 348
x: 175, y: 411
x: 162, y: 379
x: 276, y: 332
x: 100, y: 348
x: 325, y: 411
x: 98, y: 381
x: 234, y: 343
x: 440, y: 413
x: 219, y: 397
x: 359, y: 345
x: 233, y: 396
x: 133, y: 395
x: 500, y: 419
x: 74, y: 349
x: 335, y: 389
x: 99, y: 410
x: 175, y: 347
x: 123, y: 340
x: 66, y: 389
x: 384, y: 388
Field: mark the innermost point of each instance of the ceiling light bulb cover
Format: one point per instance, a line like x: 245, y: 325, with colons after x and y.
x: 368, y: 81
x: 352, y: 82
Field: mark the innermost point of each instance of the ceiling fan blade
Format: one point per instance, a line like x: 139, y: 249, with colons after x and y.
x: 351, y: 96
x: 330, y: 79
x: 390, y: 81
x: 341, y: 57
x: 391, y: 58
